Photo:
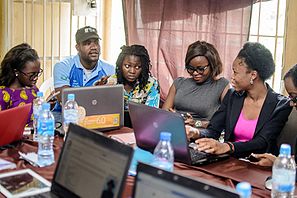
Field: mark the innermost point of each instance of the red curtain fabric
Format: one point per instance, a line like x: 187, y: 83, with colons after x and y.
x: 167, y: 27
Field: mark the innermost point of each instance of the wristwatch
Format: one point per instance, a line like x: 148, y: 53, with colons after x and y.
x: 198, y: 124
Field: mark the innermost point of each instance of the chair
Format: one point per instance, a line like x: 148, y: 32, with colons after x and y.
x: 289, y: 133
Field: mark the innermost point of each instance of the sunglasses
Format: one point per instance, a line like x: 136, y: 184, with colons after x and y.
x: 199, y: 70
x: 32, y: 75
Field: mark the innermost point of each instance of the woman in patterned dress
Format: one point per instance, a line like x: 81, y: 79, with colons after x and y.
x: 133, y: 71
x: 20, y: 70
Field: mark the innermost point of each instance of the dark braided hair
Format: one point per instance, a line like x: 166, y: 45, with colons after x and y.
x: 292, y: 73
x: 15, y: 60
x: 259, y: 58
x: 142, y: 53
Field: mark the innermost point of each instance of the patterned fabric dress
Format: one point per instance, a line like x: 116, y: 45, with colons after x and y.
x: 149, y: 95
x: 10, y: 98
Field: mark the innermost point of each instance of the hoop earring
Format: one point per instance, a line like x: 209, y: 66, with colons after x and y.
x: 251, y: 81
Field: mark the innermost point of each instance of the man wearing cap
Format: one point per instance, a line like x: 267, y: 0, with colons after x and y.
x: 85, y: 68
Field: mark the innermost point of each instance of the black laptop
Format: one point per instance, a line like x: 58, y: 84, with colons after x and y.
x: 100, y: 107
x: 90, y: 165
x: 153, y: 182
x: 148, y: 122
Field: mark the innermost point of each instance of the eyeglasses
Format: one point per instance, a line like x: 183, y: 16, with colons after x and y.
x: 200, y: 69
x: 32, y: 75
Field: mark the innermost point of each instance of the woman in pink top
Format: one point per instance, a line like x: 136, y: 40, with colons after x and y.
x: 244, y: 129
x: 251, y: 114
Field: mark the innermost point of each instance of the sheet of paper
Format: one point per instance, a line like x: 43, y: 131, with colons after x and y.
x: 127, y: 138
x: 32, y: 158
x: 4, y: 164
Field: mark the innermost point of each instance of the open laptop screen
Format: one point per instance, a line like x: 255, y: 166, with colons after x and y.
x: 100, y: 107
x: 12, y: 126
x: 153, y: 182
x: 90, y: 167
x: 148, y: 122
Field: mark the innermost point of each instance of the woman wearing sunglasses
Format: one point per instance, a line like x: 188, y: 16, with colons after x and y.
x: 251, y: 114
x: 20, y: 70
x: 198, y: 97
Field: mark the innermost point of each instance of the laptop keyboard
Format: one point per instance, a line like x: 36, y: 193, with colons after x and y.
x: 197, y: 155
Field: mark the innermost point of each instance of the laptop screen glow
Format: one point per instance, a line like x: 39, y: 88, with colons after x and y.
x: 150, y: 186
x: 79, y: 170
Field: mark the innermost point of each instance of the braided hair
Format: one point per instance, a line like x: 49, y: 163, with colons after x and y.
x: 15, y: 59
x: 142, y: 53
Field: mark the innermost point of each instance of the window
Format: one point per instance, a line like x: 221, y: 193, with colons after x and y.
x: 49, y: 26
x: 268, y: 28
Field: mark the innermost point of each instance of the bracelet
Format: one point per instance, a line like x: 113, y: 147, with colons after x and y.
x: 198, y: 124
x: 230, y: 146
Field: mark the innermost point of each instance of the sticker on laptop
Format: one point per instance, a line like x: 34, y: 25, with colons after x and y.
x: 100, y: 121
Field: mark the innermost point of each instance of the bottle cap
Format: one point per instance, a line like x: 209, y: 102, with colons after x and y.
x: 285, y: 149
x: 45, y: 106
x: 244, y: 189
x: 71, y: 97
x: 39, y: 94
x: 166, y: 136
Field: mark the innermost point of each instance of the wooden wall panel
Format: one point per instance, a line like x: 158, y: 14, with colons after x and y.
x: 290, y: 57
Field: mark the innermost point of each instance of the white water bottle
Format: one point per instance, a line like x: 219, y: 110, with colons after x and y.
x: 45, y: 130
x: 37, y: 103
x: 163, y: 153
x: 283, y: 174
x: 70, y: 112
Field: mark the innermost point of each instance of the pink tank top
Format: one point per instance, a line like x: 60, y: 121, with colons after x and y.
x: 244, y: 129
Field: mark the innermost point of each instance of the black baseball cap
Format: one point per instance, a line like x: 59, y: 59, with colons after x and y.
x: 86, y: 33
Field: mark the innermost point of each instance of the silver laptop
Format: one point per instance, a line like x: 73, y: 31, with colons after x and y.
x: 148, y: 122
x: 153, y: 182
x: 90, y: 165
x: 102, y: 107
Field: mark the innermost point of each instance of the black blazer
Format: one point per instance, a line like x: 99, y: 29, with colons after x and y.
x: 273, y: 116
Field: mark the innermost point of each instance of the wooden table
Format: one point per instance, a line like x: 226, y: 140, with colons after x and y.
x: 228, y: 172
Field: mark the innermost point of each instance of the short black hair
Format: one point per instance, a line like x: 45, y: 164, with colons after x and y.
x: 15, y: 60
x: 202, y: 48
x: 142, y: 53
x: 292, y: 73
x: 259, y: 58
